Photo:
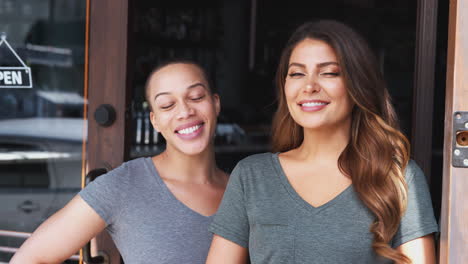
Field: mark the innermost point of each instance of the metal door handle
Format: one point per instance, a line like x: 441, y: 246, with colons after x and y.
x: 28, y: 206
x: 91, y: 176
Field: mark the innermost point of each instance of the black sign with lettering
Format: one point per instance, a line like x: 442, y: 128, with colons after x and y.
x: 14, y: 76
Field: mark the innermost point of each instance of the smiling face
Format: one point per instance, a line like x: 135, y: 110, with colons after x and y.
x: 315, y: 89
x: 184, y: 109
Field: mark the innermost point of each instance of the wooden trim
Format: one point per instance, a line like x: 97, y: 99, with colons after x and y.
x: 85, y: 109
x: 108, y: 81
x: 108, y: 84
x: 423, y: 92
x: 85, y: 96
x: 454, y: 231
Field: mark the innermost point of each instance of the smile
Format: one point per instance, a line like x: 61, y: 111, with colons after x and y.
x: 189, y: 130
x: 311, y: 104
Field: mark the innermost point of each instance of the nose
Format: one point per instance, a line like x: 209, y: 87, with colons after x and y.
x: 185, y: 111
x: 311, y: 86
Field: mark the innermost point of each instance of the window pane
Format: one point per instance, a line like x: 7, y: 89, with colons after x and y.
x: 41, y: 126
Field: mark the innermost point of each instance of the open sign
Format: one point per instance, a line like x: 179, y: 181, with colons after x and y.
x: 15, y: 77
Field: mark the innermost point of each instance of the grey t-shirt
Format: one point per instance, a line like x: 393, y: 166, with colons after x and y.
x: 147, y: 223
x: 261, y: 211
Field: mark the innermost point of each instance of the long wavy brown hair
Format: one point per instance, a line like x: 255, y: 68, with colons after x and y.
x: 377, y: 153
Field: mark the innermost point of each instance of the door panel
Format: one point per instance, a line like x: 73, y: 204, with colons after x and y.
x: 107, y: 85
x: 454, y: 229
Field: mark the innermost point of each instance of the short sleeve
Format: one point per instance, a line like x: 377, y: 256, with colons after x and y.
x: 231, y: 221
x: 418, y: 219
x: 105, y: 194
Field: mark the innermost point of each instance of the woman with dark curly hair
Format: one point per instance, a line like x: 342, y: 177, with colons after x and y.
x: 340, y: 186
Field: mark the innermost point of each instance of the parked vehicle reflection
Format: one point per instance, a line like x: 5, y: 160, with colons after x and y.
x: 40, y: 171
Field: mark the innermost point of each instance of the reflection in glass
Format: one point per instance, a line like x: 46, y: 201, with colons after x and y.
x: 41, y: 128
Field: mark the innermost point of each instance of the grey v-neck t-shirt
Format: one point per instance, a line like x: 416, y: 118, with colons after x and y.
x: 145, y: 220
x: 261, y: 211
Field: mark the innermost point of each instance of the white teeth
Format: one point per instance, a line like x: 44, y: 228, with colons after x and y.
x: 189, y: 130
x: 309, y: 104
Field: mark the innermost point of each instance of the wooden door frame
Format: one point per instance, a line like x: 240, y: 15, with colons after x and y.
x: 108, y: 83
x: 454, y: 231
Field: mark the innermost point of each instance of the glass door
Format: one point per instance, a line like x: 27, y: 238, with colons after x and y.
x: 42, y: 129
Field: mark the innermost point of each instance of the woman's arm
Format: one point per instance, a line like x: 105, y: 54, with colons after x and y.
x: 62, y: 235
x: 420, y: 250
x: 226, y: 252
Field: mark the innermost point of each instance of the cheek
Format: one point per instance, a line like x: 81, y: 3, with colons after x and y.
x: 208, y: 109
x: 290, y: 90
x: 162, y: 121
x: 337, y: 91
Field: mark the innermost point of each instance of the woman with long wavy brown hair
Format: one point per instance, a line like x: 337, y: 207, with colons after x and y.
x: 340, y: 187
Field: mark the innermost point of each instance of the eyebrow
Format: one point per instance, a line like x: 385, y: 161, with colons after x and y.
x: 320, y: 65
x: 189, y: 87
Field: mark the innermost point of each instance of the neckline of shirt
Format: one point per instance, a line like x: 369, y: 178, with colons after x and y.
x: 296, y: 197
x: 167, y: 191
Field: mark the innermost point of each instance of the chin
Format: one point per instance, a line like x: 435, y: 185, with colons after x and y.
x: 194, y: 148
x: 312, y: 124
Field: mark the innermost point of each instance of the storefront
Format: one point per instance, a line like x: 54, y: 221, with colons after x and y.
x: 84, y: 65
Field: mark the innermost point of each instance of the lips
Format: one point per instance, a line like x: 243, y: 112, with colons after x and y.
x: 190, y: 130
x: 312, y: 105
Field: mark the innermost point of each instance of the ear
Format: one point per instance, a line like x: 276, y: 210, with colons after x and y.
x: 217, y: 103
x: 153, y: 121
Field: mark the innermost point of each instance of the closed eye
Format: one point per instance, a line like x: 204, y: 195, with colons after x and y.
x: 331, y: 74
x: 165, y: 107
x: 199, y: 98
x: 296, y: 74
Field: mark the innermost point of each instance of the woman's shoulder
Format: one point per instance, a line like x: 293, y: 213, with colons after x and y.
x: 126, y: 169
x: 256, y: 169
x: 138, y: 163
x: 413, y: 171
x: 256, y: 160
